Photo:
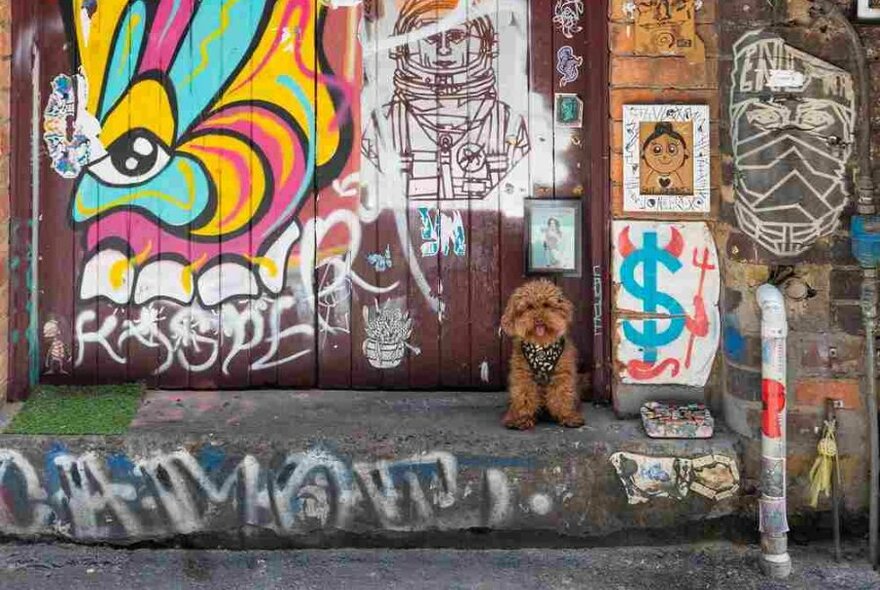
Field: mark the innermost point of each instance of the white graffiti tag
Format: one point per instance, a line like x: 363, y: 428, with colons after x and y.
x: 567, y: 16
x: 93, y: 497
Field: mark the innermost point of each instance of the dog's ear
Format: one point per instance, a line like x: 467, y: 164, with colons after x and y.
x: 509, y: 317
x: 567, y: 309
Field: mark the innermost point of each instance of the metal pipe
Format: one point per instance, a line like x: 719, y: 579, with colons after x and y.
x: 869, y: 314
x: 773, y: 518
x: 863, y: 181
x: 866, y: 205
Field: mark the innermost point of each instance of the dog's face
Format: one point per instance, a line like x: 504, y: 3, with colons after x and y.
x: 537, y: 312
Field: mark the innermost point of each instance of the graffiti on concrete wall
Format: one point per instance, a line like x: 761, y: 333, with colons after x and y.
x: 666, y: 158
x: 644, y: 478
x: 667, y: 301
x: 791, y: 123
x: 90, y: 496
x: 445, y: 123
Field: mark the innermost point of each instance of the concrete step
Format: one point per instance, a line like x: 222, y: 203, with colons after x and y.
x: 323, y: 468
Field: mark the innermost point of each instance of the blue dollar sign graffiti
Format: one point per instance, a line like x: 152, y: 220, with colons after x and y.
x: 650, y: 257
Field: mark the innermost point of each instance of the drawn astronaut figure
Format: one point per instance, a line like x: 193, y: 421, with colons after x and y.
x: 792, y: 119
x: 454, y: 137
x: 56, y: 352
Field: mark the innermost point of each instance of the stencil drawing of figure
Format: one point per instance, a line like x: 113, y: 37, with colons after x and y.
x: 792, y: 117
x: 453, y: 135
x: 553, y: 243
x: 665, y: 157
x: 56, y: 352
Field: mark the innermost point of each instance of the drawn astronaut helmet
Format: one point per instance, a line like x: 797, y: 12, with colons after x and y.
x: 450, y: 60
x: 792, y: 117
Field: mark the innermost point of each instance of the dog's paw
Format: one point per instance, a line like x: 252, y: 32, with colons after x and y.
x: 519, y: 422
x: 572, y: 421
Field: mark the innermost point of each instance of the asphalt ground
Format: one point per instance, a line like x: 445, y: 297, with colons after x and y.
x: 713, y: 566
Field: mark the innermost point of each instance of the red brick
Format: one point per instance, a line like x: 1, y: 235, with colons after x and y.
x: 622, y: 39
x: 654, y: 72
x: 814, y: 392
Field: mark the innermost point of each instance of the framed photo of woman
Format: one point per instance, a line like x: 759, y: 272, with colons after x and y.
x: 553, y: 234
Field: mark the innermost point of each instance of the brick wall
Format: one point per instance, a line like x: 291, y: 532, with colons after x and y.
x: 646, y: 80
x: 826, y: 340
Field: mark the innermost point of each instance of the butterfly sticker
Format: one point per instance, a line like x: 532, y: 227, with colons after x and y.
x: 380, y: 262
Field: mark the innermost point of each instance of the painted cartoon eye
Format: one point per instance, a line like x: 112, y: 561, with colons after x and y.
x: 765, y: 118
x: 657, y: 149
x: 672, y: 149
x: 815, y: 119
x: 435, y: 39
x: 135, y: 157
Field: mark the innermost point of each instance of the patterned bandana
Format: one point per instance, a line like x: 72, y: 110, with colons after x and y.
x: 543, y: 359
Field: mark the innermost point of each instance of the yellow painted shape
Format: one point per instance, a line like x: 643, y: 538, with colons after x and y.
x: 147, y: 106
x: 186, y: 275
x: 94, y: 50
x: 120, y: 267
x: 230, y: 214
x: 264, y: 262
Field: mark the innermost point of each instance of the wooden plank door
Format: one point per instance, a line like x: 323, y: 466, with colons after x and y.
x: 245, y: 194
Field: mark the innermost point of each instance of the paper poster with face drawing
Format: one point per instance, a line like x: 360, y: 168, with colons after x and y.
x: 666, y: 158
x: 792, y: 117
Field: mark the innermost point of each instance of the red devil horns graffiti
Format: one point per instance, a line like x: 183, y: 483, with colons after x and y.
x: 625, y: 243
x: 674, y: 247
x: 676, y: 243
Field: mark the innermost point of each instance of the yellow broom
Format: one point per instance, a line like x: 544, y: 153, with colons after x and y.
x: 820, y: 474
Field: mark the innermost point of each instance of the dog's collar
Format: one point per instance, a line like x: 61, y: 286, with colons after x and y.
x: 542, y: 360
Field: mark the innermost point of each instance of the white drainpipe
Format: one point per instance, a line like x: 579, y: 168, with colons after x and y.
x: 775, y: 561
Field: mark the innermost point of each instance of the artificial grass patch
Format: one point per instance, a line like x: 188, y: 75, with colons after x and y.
x: 103, y: 409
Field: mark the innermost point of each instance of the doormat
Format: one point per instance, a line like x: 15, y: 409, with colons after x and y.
x: 672, y: 420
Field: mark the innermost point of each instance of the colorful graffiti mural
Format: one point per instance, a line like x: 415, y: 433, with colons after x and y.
x: 243, y: 177
x: 667, y: 303
x: 202, y: 144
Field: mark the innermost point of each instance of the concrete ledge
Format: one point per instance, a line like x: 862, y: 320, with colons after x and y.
x: 300, y: 468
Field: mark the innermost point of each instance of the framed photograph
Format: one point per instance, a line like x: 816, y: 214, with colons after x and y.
x: 553, y: 230
x: 666, y: 158
x: 869, y: 11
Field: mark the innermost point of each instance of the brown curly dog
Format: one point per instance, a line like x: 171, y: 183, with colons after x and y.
x: 543, y: 368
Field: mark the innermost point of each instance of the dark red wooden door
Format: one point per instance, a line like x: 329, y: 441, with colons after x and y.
x: 245, y: 193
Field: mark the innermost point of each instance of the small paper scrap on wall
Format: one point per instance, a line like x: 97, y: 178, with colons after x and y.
x: 668, y: 28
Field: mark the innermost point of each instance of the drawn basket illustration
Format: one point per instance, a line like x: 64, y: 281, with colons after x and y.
x: 387, y: 330
x: 384, y: 355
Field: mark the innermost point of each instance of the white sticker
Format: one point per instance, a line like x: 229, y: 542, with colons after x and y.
x: 786, y: 79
